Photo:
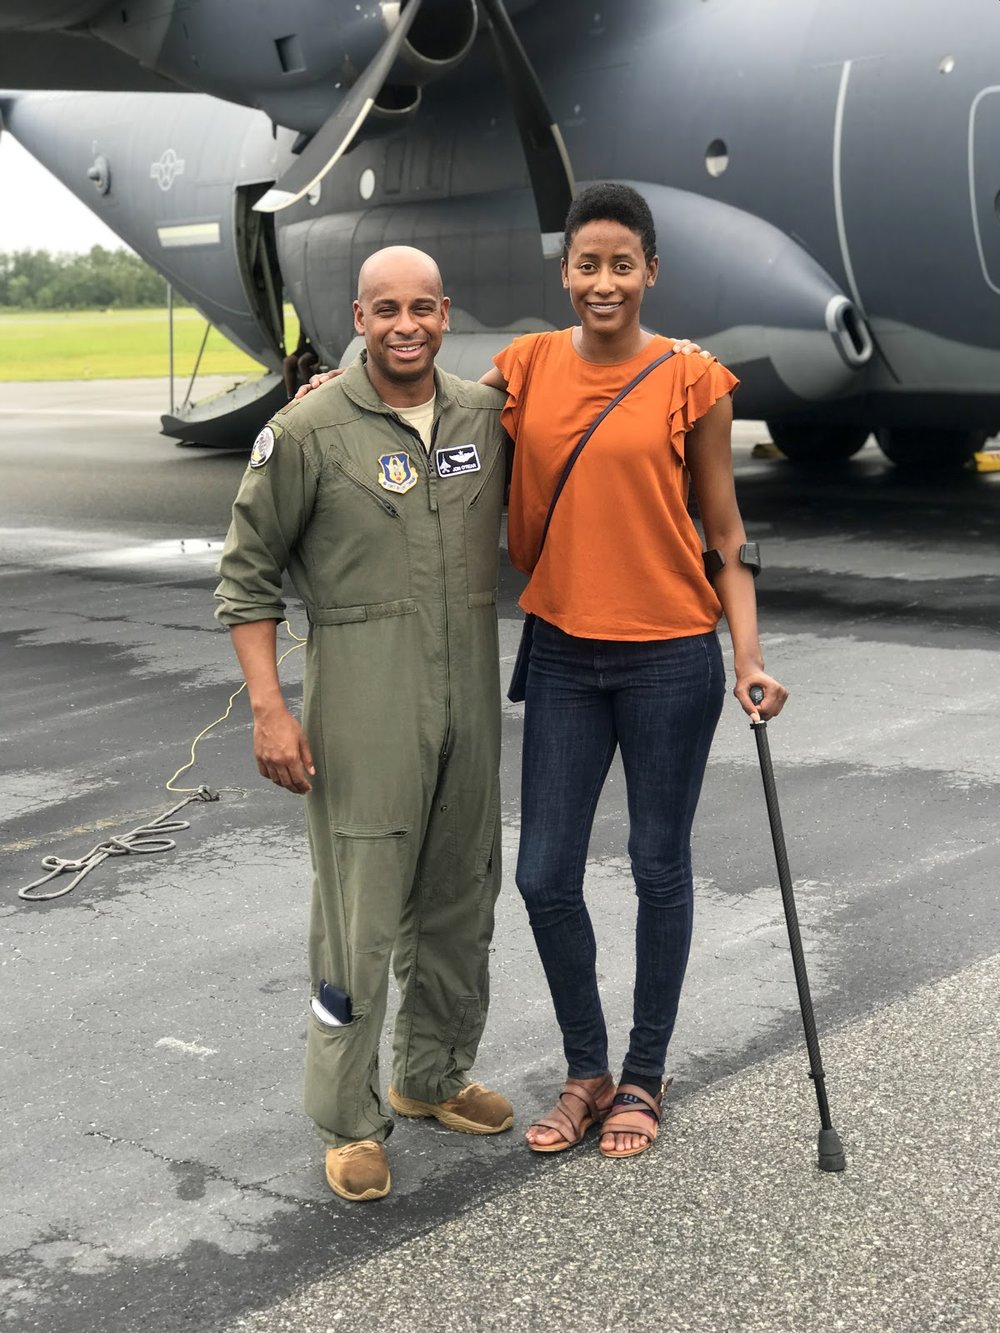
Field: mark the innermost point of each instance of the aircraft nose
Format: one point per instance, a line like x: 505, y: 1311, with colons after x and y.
x: 812, y: 338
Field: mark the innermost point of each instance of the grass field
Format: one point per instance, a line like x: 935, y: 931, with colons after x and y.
x: 115, y: 344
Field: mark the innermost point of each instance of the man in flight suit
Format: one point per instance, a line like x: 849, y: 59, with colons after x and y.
x: 381, y: 493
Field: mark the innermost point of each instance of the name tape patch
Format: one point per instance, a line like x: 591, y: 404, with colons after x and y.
x: 459, y: 458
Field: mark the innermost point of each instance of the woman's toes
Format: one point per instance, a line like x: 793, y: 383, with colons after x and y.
x: 542, y: 1137
x: 619, y: 1142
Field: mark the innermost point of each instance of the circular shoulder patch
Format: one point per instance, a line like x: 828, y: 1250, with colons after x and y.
x: 262, y: 447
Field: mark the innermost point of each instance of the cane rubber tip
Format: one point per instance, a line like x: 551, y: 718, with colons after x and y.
x: 831, y: 1151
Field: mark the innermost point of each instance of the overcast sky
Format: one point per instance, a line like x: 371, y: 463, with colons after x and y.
x: 37, y: 213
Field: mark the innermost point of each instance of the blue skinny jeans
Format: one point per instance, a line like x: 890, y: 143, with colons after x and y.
x: 659, y: 702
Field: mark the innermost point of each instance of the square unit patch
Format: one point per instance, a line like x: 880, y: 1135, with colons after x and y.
x: 459, y: 458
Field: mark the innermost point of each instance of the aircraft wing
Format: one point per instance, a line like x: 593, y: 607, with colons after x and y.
x: 96, y: 46
x: 72, y: 61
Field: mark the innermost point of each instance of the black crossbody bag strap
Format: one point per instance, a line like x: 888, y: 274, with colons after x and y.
x: 646, y: 370
x: 519, y: 676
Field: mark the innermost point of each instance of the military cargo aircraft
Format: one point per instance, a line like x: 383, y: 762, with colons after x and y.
x: 825, y: 180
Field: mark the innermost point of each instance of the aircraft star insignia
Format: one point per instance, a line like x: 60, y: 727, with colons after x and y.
x: 166, y: 170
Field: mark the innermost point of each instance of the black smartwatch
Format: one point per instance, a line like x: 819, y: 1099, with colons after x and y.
x: 750, y: 556
x: 714, y: 560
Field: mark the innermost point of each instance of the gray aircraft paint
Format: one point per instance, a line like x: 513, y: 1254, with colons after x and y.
x: 824, y: 180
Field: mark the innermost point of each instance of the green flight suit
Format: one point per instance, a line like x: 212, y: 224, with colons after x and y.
x: 394, y: 552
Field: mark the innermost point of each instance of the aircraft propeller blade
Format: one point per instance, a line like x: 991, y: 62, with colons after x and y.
x: 336, y: 135
x: 548, y: 162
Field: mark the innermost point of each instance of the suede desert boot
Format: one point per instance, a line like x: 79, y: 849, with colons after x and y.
x: 474, y: 1110
x: 359, y: 1171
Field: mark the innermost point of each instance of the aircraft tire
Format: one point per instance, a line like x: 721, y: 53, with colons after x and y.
x: 929, y: 449
x: 817, y: 442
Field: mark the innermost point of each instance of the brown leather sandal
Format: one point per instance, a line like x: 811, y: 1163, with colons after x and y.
x: 577, y: 1109
x: 633, y: 1111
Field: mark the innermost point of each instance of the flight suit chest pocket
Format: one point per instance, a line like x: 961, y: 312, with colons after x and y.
x: 359, y: 541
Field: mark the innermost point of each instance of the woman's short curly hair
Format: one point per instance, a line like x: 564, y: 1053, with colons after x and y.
x: 610, y: 202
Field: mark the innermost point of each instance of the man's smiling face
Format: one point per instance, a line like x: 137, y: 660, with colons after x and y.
x: 402, y: 314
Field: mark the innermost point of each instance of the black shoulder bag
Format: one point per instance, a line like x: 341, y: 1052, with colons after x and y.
x: 519, y: 676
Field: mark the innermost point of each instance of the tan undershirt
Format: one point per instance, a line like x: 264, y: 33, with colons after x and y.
x: 421, y: 418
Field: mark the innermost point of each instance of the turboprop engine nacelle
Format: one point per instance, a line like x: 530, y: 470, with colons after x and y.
x: 296, y: 69
x: 437, y: 43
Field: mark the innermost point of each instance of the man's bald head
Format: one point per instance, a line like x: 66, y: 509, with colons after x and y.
x: 402, y: 313
x: 395, y: 264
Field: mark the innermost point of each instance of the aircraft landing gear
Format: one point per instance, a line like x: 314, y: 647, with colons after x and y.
x: 922, y: 447
x: 815, y: 441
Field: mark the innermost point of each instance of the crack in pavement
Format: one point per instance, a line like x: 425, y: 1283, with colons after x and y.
x: 210, y: 1172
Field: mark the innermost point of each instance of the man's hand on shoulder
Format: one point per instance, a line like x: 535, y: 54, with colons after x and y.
x: 685, y: 347
x: 315, y: 381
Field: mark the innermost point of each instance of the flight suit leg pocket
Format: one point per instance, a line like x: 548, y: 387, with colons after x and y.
x: 488, y: 869
x: 341, y: 1094
x: 461, y: 1041
x: 440, y: 863
x: 375, y: 871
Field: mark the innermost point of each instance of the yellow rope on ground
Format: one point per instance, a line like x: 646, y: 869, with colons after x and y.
x: 149, y: 837
x: 299, y: 642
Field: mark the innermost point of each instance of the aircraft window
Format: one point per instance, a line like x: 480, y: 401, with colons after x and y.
x: 366, y: 185
x: 716, y: 157
x: 947, y: 65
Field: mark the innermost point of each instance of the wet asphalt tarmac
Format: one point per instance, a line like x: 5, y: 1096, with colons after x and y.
x: 157, y: 1171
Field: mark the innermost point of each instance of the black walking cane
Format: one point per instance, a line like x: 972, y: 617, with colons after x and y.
x: 831, y: 1150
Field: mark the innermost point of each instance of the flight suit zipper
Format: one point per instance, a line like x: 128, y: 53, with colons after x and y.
x: 444, y: 595
x: 426, y: 453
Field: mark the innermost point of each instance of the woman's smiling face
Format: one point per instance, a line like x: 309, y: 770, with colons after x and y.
x: 606, y: 275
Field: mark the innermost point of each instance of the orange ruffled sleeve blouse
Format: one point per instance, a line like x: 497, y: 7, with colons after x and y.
x: 622, y: 559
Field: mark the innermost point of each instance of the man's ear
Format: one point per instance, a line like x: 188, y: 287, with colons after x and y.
x: 445, y: 307
x: 565, y: 273
x: 359, y: 318
x: 653, y: 267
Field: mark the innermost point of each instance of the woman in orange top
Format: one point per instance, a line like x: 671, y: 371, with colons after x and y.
x: 625, y: 652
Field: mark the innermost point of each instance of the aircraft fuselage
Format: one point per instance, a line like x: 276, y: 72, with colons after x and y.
x: 825, y: 181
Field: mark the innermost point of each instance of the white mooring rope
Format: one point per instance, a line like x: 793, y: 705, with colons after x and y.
x: 144, y: 838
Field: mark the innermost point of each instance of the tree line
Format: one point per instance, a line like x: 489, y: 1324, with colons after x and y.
x: 38, y: 280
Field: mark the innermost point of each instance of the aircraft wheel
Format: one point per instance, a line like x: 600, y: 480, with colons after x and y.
x: 816, y: 442
x: 925, y: 448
